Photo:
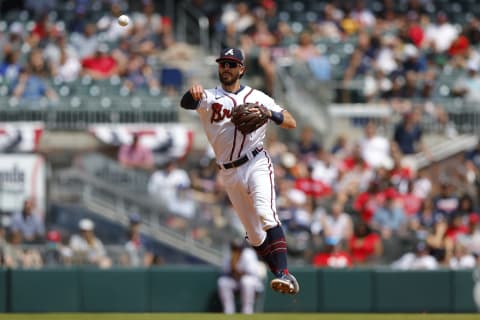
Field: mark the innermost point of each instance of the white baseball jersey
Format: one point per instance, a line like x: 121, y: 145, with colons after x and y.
x: 251, y: 186
x: 215, y: 109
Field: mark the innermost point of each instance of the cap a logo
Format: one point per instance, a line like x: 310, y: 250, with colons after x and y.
x: 229, y: 52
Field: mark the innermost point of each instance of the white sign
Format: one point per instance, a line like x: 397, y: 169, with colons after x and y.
x: 22, y: 176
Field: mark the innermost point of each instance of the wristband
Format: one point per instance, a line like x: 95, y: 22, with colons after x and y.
x: 277, y: 117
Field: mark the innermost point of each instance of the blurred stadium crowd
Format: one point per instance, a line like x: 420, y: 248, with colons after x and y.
x: 355, y: 202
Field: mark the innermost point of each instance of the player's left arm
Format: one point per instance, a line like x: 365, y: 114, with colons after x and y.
x: 282, y: 117
x: 289, y: 121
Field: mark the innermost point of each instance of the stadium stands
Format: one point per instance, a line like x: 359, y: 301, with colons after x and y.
x: 386, y: 61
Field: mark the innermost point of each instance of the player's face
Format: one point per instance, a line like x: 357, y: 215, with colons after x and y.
x: 229, y: 72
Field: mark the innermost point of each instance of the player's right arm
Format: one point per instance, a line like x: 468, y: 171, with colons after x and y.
x: 192, y: 97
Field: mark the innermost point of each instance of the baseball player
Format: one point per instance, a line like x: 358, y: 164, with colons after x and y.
x: 245, y: 167
x: 242, y: 273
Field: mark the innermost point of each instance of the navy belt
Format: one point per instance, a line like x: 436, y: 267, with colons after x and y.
x: 240, y: 161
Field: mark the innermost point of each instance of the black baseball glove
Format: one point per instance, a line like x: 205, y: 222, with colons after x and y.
x: 249, y: 117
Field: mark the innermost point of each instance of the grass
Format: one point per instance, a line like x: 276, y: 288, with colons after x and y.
x: 217, y: 316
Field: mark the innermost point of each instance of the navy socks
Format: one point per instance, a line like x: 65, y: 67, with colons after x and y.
x: 274, y: 251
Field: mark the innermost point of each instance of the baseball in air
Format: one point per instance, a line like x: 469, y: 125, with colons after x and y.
x: 123, y: 20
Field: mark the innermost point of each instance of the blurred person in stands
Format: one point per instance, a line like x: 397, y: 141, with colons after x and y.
x: 85, y: 43
x: 149, y: 17
x: 408, y: 134
x: 258, y: 57
x: 328, y: 25
x: 419, y: 259
x: 389, y: 219
x: 468, y: 86
x: 362, y: 15
x: 10, y: 68
x: 58, y: 39
x: 446, y: 201
x: 57, y: 252
x: 472, y: 30
x: 174, y: 53
x: 108, y: 25
x: 376, y: 85
x: 31, y: 84
x: 457, y: 226
x: 136, y: 156
x: 424, y: 219
x: 471, y: 164
x: 308, y: 144
x: 411, y: 203
x: 375, y: 148
x: 100, y: 65
x: 135, y: 246
x: 68, y: 67
x: 365, y: 246
x: 28, y: 223
x: 205, y: 185
x: 165, y: 182
x: 324, y: 168
x: 441, y: 246
x: 243, y: 273
x: 139, y: 75
x: 333, y: 255
x: 140, y: 38
x: 18, y: 256
x: 87, y: 248
x: 338, y: 224
x: 361, y: 60
x: 339, y: 147
x: 367, y: 202
x: 239, y: 14
x: 13, y: 40
x: 422, y: 185
x: 440, y: 36
x: 307, y: 53
x: 462, y: 258
x: 296, y: 220
x: 171, y: 187
x: 471, y: 239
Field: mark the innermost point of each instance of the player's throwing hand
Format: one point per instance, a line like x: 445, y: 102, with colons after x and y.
x: 197, y: 91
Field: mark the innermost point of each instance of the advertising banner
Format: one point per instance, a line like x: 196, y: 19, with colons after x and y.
x: 22, y: 176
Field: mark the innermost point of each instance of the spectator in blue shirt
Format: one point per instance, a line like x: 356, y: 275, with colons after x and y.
x: 408, y: 134
x: 389, y: 219
x: 28, y: 223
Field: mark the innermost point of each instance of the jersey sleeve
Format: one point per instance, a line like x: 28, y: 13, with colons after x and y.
x: 268, y: 102
x: 204, y: 104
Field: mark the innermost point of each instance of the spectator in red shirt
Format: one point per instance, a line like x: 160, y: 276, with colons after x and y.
x: 368, y: 201
x: 365, y: 246
x: 101, y: 65
x: 414, y: 30
x: 411, y: 202
x: 457, y: 226
x: 459, y: 46
x: 333, y: 255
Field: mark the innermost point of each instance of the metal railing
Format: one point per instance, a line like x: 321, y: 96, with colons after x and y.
x: 115, y: 204
x: 192, y: 25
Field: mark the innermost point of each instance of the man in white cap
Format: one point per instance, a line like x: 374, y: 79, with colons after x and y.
x: 87, y: 248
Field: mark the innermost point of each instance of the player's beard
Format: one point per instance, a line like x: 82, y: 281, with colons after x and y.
x: 229, y: 80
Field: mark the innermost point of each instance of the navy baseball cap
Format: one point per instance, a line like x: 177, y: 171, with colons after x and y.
x: 233, y: 54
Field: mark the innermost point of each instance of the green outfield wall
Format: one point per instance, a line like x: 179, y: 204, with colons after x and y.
x: 194, y: 289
